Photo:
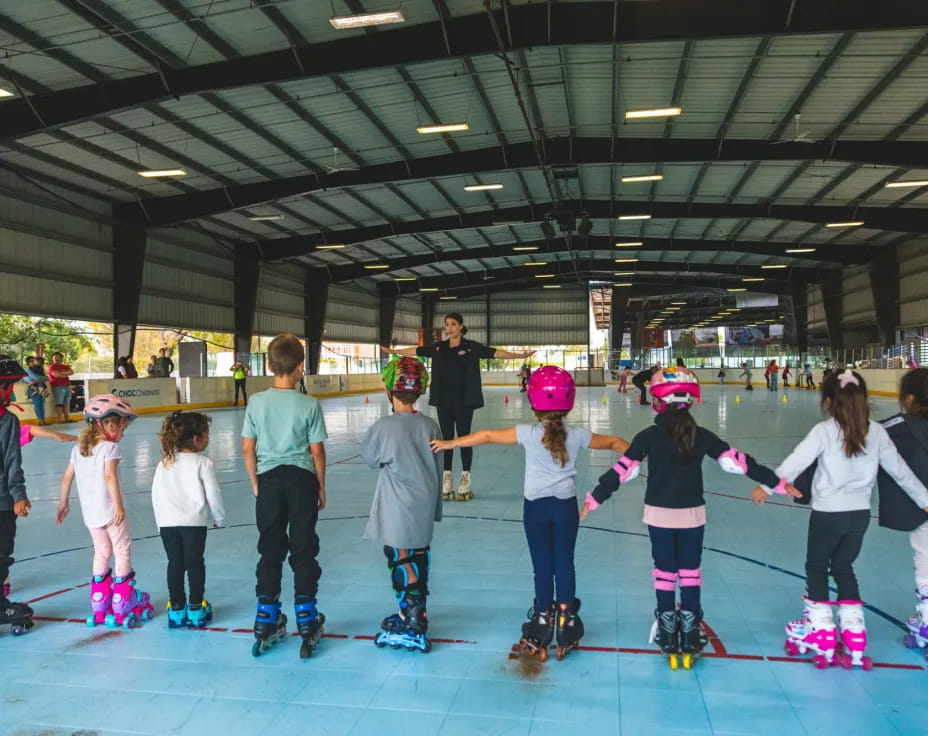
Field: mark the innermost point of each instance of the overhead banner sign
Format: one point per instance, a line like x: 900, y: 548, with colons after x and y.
x: 699, y: 339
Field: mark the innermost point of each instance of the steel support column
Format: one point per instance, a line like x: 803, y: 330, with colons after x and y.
x: 799, y: 310
x: 386, y: 316
x: 831, y: 285
x: 617, y: 325
x: 315, y: 299
x: 884, y: 283
x: 129, y: 242
x: 247, y: 270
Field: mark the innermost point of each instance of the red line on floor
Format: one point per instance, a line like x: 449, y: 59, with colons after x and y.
x: 714, y: 640
x: 50, y: 595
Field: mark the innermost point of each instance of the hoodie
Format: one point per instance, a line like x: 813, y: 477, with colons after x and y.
x: 909, y: 433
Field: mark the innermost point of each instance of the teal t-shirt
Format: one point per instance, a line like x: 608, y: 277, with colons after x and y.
x: 284, y: 423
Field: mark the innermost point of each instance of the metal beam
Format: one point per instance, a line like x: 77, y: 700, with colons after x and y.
x: 172, y: 210
x: 247, y: 272
x: 531, y: 26
x: 315, y: 299
x: 884, y: 283
x: 129, y: 245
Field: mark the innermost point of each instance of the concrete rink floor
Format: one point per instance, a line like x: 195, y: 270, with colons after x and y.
x: 63, y: 678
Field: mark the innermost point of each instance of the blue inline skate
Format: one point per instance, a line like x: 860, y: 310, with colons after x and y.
x: 310, y: 623
x: 270, y: 625
x: 406, y: 629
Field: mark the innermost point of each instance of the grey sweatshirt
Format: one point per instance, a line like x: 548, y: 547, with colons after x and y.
x: 12, y: 482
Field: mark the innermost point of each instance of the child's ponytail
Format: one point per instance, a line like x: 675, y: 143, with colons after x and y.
x: 844, y: 397
x: 682, y: 428
x: 94, y: 433
x: 179, y: 432
x: 915, y: 384
x: 555, y: 436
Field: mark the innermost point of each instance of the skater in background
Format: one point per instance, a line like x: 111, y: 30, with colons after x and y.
x: 407, y: 500
x: 623, y: 379
x: 721, y: 376
x: 456, y: 392
x: 675, y: 508
x: 807, y: 374
x: 909, y: 433
x: 284, y: 452
x: 184, y: 493
x: 786, y: 374
x: 849, y: 448
x: 14, y: 502
x: 773, y: 376
x: 640, y: 381
x: 94, y: 467
x: 746, y: 374
x: 524, y: 374
x: 550, y: 506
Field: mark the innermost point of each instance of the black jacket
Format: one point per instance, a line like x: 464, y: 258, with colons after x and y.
x: 909, y: 432
x: 642, y: 377
x: 672, y: 483
x: 470, y: 394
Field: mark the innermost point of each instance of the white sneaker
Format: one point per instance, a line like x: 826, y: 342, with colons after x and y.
x: 447, y: 483
x: 464, y: 492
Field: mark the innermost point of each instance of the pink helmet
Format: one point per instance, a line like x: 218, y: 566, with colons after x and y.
x: 102, y: 405
x: 551, y: 389
x: 675, y: 385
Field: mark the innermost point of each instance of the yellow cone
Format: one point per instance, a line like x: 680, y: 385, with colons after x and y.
x: 605, y: 400
x: 784, y: 399
x: 737, y: 399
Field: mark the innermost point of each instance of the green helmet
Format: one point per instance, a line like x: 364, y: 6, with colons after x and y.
x: 404, y: 373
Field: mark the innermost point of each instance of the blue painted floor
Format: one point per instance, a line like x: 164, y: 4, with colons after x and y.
x: 63, y: 677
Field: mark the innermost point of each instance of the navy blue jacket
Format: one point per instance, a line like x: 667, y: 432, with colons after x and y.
x: 909, y: 432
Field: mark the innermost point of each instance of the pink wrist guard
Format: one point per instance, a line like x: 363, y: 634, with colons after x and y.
x: 591, y: 502
x: 780, y: 487
x: 627, y: 469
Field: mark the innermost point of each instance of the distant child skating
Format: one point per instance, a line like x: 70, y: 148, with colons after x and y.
x: 183, y: 495
x: 786, y: 374
x: 807, y: 374
x: 550, y: 513
x: 849, y: 449
x: 284, y: 452
x: 746, y: 374
x: 94, y: 467
x: 407, y: 500
x: 675, y: 508
x: 623, y: 379
x: 721, y: 376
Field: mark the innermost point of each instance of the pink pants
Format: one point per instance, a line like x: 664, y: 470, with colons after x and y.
x: 113, y: 540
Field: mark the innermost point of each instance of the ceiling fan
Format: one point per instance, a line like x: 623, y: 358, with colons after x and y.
x: 346, y: 165
x: 804, y: 136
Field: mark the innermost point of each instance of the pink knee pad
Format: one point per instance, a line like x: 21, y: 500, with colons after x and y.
x: 691, y: 578
x: 664, y: 580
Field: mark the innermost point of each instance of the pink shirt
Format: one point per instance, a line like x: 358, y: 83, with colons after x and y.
x: 689, y: 518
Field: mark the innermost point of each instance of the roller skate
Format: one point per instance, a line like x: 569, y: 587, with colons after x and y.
x: 853, y: 635
x: 129, y: 605
x: 815, y: 632
x: 177, y: 616
x: 101, y: 599
x: 464, y: 487
x: 918, y: 626
x: 199, y: 616
x: 270, y: 625
x: 408, y: 629
x: 692, y: 638
x: 18, y: 615
x: 447, y: 485
x: 310, y: 623
x: 538, y: 631
x: 568, y: 628
x: 665, y: 631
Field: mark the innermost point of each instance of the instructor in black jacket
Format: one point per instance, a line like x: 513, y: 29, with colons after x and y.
x: 456, y: 391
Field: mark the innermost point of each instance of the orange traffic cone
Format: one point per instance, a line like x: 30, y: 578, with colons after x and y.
x: 506, y: 400
x: 367, y: 399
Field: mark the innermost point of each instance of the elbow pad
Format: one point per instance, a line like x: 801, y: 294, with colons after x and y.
x: 733, y: 461
x: 627, y: 469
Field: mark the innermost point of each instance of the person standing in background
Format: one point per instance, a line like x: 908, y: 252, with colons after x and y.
x: 152, y: 367
x: 59, y: 375
x: 239, y: 375
x: 165, y: 366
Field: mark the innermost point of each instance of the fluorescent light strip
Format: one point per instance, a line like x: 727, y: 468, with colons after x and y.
x: 330, y: 246
x: 681, y: 303
x: 375, y: 266
x: 624, y: 273
x: 5, y: 93
x: 657, y: 112
x: 443, y: 128
x: 156, y: 173
x: 482, y: 187
x: 634, y: 217
x: 525, y: 247
x: 625, y: 284
x: 647, y: 177
x: 800, y: 250
x: 626, y: 260
x: 406, y: 278
x: 551, y: 286
x: 774, y: 266
x: 343, y: 22
x: 888, y: 185
x: 545, y: 275
x: 535, y: 263
x: 629, y: 244
x: 758, y: 278
x: 446, y: 298
x: 734, y: 290
x: 853, y: 223
x: 428, y: 288
x: 266, y: 218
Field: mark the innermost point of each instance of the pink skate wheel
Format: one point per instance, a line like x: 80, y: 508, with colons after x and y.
x: 847, y: 662
x: 867, y: 664
x: 820, y: 662
x: 790, y: 648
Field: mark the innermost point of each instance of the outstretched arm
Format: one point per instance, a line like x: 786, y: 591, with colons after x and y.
x: 607, y: 442
x: 508, y: 355
x: 406, y: 352
x: 483, y: 437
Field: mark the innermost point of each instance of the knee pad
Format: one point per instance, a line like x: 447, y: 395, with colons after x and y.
x: 664, y: 580
x: 691, y: 578
x: 420, y: 560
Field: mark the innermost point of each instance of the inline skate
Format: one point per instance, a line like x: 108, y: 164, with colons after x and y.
x: 538, y: 631
x: 310, y: 623
x: 177, y: 616
x: 18, y: 615
x: 129, y: 605
x: 407, y: 629
x: 853, y: 635
x: 101, y: 599
x: 665, y: 631
x: 568, y: 628
x: 815, y: 632
x: 692, y: 638
x: 199, y: 616
x: 270, y: 625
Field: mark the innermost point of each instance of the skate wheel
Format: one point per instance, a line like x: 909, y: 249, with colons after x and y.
x: 427, y: 647
x: 131, y: 621
x: 256, y: 649
x: 110, y: 620
x: 909, y: 641
x: 673, y: 661
x: 687, y: 661
x: 148, y: 614
x: 847, y: 662
x: 790, y: 648
x: 18, y: 630
x: 379, y: 642
x: 91, y: 621
x: 820, y: 661
x: 543, y: 654
x: 559, y: 653
x: 867, y: 664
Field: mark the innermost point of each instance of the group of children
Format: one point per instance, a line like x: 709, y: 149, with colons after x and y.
x: 834, y: 467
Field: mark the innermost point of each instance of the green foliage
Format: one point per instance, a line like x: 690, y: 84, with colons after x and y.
x: 20, y: 334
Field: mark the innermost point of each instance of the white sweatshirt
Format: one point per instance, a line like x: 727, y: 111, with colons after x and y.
x: 843, y: 483
x: 184, y: 492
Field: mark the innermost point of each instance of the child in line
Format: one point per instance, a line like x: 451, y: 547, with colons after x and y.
x: 550, y: 513
x: 94, y: 466
x: 14, y: 502
x: 284, y: 454
x: 773, y: 375
x: 849, y: 448
x: 909, y: 433
x: 675, y: 508
x: 746, y: 374
x: 623, y: 379
x: 407, y: 500
x: 786, y: 375
x: 807, y: 372
x: 183, y: 494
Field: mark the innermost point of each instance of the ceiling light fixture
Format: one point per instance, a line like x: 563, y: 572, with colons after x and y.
x: 5, y: 93
x: 443, y: 128
x: 680, y: 303
x: 428, y: 288
x: 735, y: 290
x: 772, y: 266
x: 266, y: 218
x: 375, y: 266
x: 551, y: 286
x: 525, y: 247
x: 329, y: 246
x: 535, y: 263
x: 446, y: 298
x: 756, y: 278
x: 406, y: 278
x: 634, y: 217
x: 888, y: 185
x: 361, y: 20
x: 647, y: 177
x: 627, y: 283
x: 853, y: 223
x: 800, y: 250
x: 157, y: 173
x: 624, y: 273
x: 656, y: 112
x: 482, y: 187
x: 545, y: 275
x: 626, y: 260
x: 629, y: 244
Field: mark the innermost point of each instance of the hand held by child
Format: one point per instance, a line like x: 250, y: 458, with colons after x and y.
x: 21, y: 508
x: 62, y: 513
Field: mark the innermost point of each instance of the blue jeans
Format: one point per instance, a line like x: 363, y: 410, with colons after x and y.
x: 774, y: 378
x: 38, y: 404
x: 551, y: 526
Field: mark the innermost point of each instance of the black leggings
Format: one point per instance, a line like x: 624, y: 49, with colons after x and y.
x: 240, y: 386
x: 455, y: 421
x: 185, y: 546
x: 835, y: 538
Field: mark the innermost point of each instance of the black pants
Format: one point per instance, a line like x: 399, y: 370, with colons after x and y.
x: 643, y: 399
x: 288, y: 501
x: 674, y: 550
x: 551, y: 526
x: 455, y: 421
x: 185, y: 546
x: 7, y: 537
x: 835, y: 538
x: 240, y: 386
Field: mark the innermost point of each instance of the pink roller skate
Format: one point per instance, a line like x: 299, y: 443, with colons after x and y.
x: 129, y: 605
x: 7, y: 587
x: 815, y: 632
x: 101, y: 599
x: 853, y: 635
x: 918, y: 623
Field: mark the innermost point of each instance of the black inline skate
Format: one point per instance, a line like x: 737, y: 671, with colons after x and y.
x: 538, y: 631
x: 408, y: 628
x: 569, y: 628
x: 692, y: 638
x: 666, y: 632
x: 18, y: 615
x: 270, y: 625
x: 310, y: 623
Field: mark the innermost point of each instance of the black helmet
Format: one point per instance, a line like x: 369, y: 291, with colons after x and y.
x: 10, y: 370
